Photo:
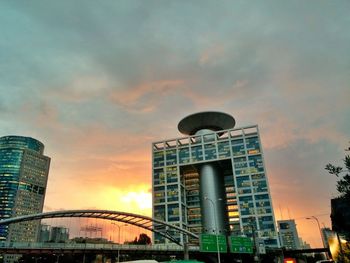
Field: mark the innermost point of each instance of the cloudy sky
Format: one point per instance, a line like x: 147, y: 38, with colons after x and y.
x: 98, y: 81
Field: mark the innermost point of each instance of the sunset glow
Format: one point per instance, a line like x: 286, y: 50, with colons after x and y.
x: 98, y: 82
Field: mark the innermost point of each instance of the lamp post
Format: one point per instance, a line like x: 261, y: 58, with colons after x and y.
x: 252, y: 221
x: 319, y: 228
x: 216, y: 227
x: 119, y: 226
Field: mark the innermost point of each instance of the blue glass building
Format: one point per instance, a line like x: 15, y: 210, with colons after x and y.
x: 23, y: 179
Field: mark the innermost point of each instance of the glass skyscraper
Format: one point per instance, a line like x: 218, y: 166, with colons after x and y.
x: 23, y: 179
x: 237, y: 186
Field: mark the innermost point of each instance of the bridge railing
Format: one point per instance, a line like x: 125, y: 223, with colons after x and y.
x: 82, y: 246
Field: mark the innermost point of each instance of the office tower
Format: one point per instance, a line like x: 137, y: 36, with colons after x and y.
x: 23, y: 178
x: 288, y: 234
x: 212, y: 180
x: 44, y: 235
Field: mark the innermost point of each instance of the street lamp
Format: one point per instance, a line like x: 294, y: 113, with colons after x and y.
x: 252, y: 222
x: 216, y: 226
x: 319, y: 228
x: 119, y: 226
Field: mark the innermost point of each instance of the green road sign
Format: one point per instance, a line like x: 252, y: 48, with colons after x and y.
x: 208, y: 243
x: 241, y: 245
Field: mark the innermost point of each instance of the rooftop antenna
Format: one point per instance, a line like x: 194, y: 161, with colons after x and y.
x: 289, y: 213
x: 280, y: 212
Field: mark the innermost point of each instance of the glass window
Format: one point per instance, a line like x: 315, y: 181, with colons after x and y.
x: 263, y: 204
x: 238, y: 150
x: 159, y: 212
x: 258, y: 176
x: 260, y: 186
x: 240, y: 162
x: 266, y: 223
x: 171, y: 174
x: 243, y: 181
x: 246, y: 205
x: 173, y: 193
x: 159, y: 176
x: 229, y: 180
x: 210, y: 151
x: 237, y: 142
x: 263, y: 210
x: 184, y: 155
x: 262, y: 197
x: 245, y: 199
x: 252, y: 144
x: 197, y: 153
x: 224, y: 149
x: 158, y: 159
x: 243, y: 185
x: 209, y: 137
x: 244, y: 191
x: 159, y: 194
x: 255, y: 161
x: 171, y: 157
x: 173, y: 212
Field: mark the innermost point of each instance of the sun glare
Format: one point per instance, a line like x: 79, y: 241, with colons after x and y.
x: 139, y: 200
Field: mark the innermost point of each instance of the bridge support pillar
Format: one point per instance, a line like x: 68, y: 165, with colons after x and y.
x: 186, y: 254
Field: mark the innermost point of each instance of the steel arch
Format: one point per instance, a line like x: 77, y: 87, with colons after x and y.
x: 145, y: 222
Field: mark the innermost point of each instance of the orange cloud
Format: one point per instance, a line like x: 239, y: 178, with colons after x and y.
x: 81, y: 88
x: 132, y: 97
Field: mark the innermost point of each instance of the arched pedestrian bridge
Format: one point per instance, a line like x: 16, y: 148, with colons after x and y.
x: 141, y: 221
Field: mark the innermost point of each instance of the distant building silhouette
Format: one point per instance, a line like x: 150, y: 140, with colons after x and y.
x: 213, y: 180
x: 44, y: 235
x: 303, y: 244
x: 340, y: 216
x: 55, y: 234
x: 23, y: 179
x: 59, y: 234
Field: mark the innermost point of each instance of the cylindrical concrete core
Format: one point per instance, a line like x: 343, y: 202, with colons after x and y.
x: 212, y: 195
x: 211, y: 180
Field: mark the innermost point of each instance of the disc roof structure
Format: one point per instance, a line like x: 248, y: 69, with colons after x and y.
x: 211, y: 120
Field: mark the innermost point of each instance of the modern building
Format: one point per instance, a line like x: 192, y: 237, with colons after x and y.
x: 54, y: 234
x: 23, y: 178
x: 288, y: 234
x: 59, y: 234
x: 44, y: 235
x: 213, y: 180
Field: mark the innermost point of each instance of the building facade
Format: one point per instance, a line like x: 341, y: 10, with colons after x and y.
x: 59, y: 234
x: 288, y: 234
x: 23, y: 178
x: 213, y: 180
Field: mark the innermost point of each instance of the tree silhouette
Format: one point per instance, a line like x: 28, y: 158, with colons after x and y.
x: 340, y: 214
x: 143, y: 239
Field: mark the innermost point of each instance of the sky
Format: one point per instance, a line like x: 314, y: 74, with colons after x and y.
x: 98, y: 81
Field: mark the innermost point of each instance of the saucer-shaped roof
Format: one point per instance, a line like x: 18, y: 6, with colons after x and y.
x: 210, y: 120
